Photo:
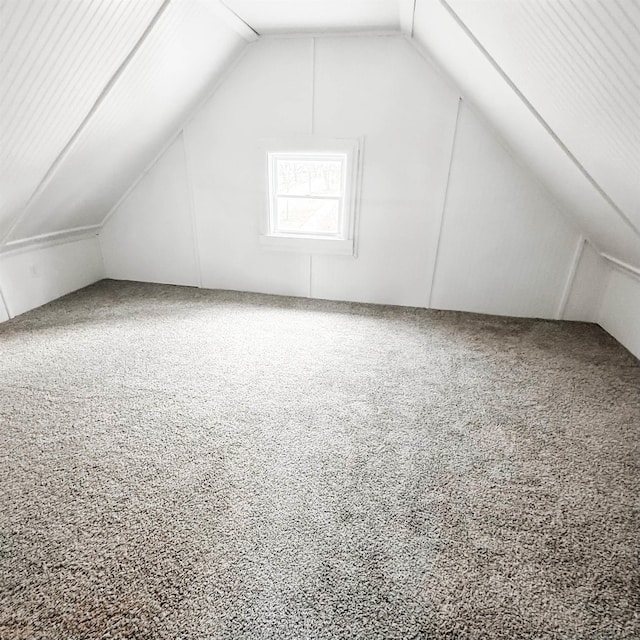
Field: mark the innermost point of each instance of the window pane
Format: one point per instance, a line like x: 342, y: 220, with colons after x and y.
x: 309, y: 177
x: 308, y: 215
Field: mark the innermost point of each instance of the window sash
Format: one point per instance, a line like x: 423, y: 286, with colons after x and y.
x: 276, y: 194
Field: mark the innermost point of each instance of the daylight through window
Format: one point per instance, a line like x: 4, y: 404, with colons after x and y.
x: 311, y: 200
x: 307, y: 194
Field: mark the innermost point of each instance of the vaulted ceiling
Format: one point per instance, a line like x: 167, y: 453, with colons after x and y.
x: 93, y: 90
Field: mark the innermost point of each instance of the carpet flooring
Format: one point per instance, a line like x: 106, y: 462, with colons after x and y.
x: 186, y: 464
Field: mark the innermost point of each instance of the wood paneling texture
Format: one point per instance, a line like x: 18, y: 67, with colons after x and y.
x: 106, y: 85
x: 578, y: 63
x: 55, y: 60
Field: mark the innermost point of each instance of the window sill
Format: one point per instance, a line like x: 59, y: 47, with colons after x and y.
x: 308, y: 245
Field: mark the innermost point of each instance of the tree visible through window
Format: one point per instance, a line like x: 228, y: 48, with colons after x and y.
x: 307, y: 193
x: 311, y: 200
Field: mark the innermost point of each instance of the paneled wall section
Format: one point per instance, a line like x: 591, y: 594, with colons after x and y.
x: 37, y: 274
x: 501, y: 244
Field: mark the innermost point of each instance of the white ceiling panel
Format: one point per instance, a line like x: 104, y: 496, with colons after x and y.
x: 578, y: 63
x: 56, y: 58
x: 176, y: 65
x: 520, y: 121
x: 305, y: 16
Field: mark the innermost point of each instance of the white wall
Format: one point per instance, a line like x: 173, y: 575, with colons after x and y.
x: 34, y: 275
x: 268, y: 96
x: 619, y: 312
x: 505, y: 247
x: 437, y: 189
x: 587, y: 287
x: 332, y: 88
x: 486, y: 86
x: 381, y: 90
x: 4, y: 311
x: 150, y: 236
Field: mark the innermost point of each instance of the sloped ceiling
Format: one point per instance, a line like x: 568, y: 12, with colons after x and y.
x: 578, y: 63
x: 91, y: 91
x: 55, y: 60
x: 539, y: 73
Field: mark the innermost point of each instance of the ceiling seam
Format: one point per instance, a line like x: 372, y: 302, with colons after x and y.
x: 539, y: 118
x: 103, y: 94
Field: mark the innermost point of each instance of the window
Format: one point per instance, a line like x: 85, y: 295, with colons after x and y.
x: 311, y: 192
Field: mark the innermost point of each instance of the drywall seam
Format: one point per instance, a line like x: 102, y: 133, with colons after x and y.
x: 444, y: 204
x: 413, y: 16
x: 46, y: 179
x: 192, y: 209
x: 313, y: 84
x: 539, y: 118
x: 598, y: 315
x: 175, y: 134
x: 621, y: 266
x: 310, y: 275
x: 406, y: 12
x: 515, y: 156
x: 4, y: 304
x: 357, y: 203
x: 101, y: 254
x: 49, y: 240
x: 435, y: 66
x: 573, y: 269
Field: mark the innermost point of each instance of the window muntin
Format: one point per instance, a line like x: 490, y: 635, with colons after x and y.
x: 307, y: 194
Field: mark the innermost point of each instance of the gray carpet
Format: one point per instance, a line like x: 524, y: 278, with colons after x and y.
x: 186, y: 464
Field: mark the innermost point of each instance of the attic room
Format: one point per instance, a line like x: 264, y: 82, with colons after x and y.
x: 319, y: 319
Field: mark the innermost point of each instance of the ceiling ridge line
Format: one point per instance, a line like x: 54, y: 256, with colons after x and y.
x: 539, y: 118
x: 72, y: 141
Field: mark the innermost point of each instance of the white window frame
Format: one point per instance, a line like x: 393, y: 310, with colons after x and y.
x: 341, y: 243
